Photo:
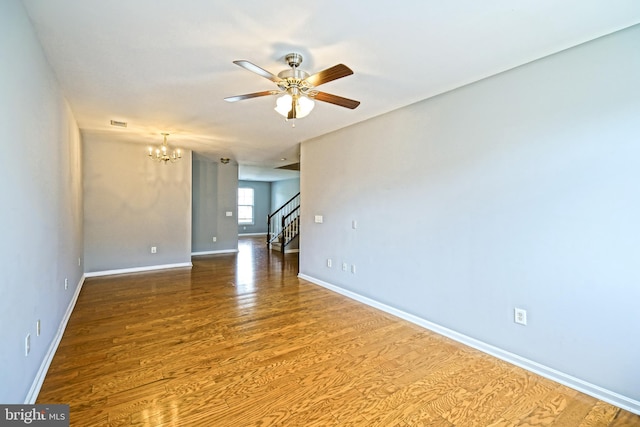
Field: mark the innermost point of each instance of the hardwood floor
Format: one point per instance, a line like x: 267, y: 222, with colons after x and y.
x: 239, y: 340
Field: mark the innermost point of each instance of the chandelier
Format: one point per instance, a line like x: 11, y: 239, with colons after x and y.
x: 165, y: 154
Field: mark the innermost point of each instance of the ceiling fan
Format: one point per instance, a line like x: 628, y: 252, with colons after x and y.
x: 297, y: 87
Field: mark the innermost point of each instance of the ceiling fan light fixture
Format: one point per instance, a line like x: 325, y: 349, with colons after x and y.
x: 283, y: 105
x: 302, y: 104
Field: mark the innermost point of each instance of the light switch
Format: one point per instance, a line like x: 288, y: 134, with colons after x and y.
x: 318, y: 219
x: 229, y: 213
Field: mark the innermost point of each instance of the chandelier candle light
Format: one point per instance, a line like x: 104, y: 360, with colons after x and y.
x: 165, y: 154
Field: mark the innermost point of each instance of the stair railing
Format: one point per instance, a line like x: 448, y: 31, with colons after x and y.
x: 290, y: 227
x: 282, y: 217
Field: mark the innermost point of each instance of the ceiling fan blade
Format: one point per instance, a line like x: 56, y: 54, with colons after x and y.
x: 337, y: 100
x: 330, y: 74
x: 259, y: 71
x: 251, y: 95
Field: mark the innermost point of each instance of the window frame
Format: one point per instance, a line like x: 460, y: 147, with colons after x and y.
x: 246, y: 204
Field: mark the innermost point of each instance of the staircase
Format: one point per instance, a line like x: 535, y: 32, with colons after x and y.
x: 283, y: 225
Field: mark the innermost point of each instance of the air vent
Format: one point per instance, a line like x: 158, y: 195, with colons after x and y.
x: 119, y: 124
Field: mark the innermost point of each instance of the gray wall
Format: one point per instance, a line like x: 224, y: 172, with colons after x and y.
x: 520, y: 190
x: 214, y: 193
x: 228, y: 202
x: 282, y: 191
x: 261, y: 208
x: 132, y: 203
x: 41, y: 208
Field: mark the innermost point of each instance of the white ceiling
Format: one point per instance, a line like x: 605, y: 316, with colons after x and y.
x: 166, y: 65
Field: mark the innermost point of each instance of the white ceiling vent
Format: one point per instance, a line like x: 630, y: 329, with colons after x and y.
x: 119, y: 124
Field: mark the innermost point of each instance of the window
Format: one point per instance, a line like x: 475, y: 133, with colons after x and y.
x: 245, y: 205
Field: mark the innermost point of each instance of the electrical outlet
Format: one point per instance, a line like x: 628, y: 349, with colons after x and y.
x: 354, y: 224
x: 154, y: 249
x: 215, y: 239
x: 66, y: 284
x: 79, y: 262
x: 329, y: 263
x: 38, y: 328
x: 27, y: 344
x: 353, y: 269
x: 520, y: 316
x: 344, y: 266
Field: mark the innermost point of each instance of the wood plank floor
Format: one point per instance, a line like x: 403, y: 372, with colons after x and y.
x: 239, y: 340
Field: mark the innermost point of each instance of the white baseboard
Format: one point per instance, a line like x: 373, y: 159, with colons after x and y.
x: 593, y: 390
x: 291, y: 251
x: 223, y: 251
x: 253, y: 234
x: 32, y: 395
x: 137, y: 269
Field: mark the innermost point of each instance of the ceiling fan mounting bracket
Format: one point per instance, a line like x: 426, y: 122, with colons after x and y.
x: 294, y: 77
x: 294, y: 80
x: 293, y: 60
